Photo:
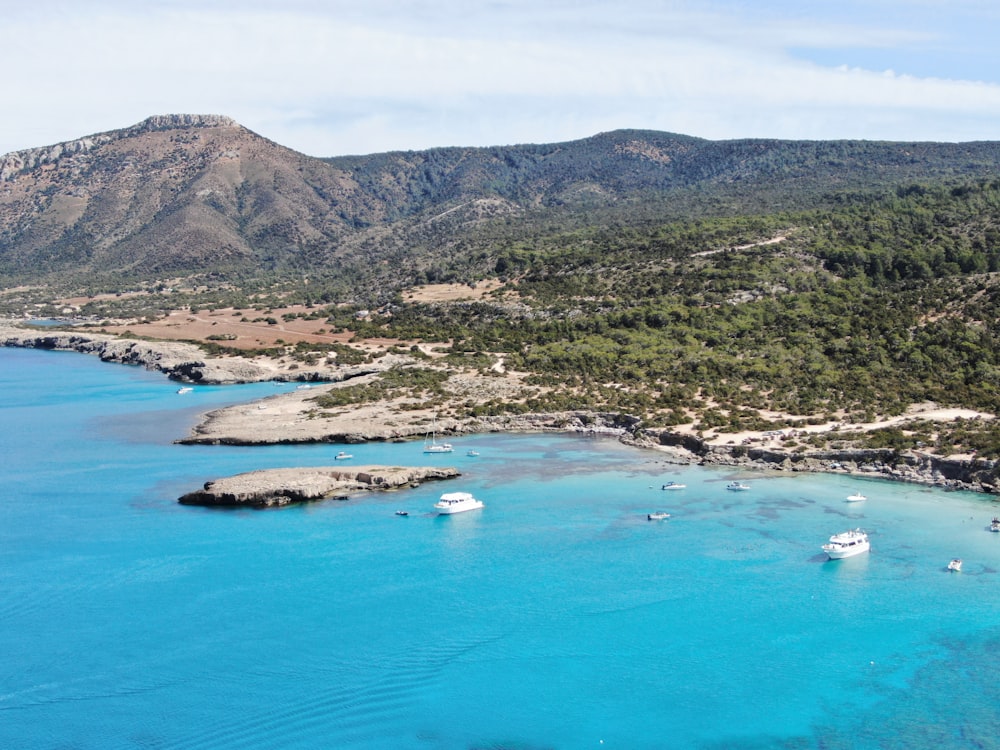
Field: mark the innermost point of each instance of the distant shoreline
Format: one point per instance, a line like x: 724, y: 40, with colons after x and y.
x: 291, y: 418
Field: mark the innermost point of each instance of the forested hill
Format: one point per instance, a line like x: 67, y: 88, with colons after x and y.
x: 199, y: 195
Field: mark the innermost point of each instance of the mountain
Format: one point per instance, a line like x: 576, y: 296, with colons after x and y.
x: 179, y: 195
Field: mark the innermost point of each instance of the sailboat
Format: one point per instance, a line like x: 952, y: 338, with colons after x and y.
x: 434, y: 446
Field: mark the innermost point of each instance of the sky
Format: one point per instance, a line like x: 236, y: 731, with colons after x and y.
x: 338, y: 77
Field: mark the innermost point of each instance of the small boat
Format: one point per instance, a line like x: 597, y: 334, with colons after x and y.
x: 658, y: 516
x: 457, y: 502
x: 438, y: 448
x: 955, y: 566
x: 995, y: 524
x: 737, y: 486
x: 847, y: 544
x: 433, y: 446
x: 402, y: 513
x: 673, y: 486
x: 185, y: 389
x: 472, y: 453
x: 342, y: 456
x: 857, y: 497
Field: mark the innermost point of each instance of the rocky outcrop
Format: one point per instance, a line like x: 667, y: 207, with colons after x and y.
x: 17, y: 162
x: 907, y: 466
x: 178, y: 361
x: 276, y: 487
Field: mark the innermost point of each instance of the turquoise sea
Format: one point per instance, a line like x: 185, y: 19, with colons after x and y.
x: 557, y: 617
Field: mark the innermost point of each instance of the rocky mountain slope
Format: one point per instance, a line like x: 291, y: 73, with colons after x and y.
x: 189, y: 194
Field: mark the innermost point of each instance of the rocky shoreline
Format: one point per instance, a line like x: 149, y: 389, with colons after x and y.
x: 270, y: 488
x: 179, y: 361
x: 294, y: 418
x: 976, y: 475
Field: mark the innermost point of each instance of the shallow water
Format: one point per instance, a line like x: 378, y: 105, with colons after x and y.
x: 557, y: 617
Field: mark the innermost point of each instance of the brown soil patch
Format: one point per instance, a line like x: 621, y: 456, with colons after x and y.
x: 240, y: 329
x: 451, y: 292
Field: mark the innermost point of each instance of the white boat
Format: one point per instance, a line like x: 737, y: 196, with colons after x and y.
x: 955, y: 565
x: 342, y: 456
x: 857, y: 497
x: 457, y: 502
x: 185, y: 389
x: 658, y: 516
x: 472, y: 453
x: 995, y: 524
x: 673, y: 486
x: 737, y: 486
x: 847, y: 544
x: 433, y: 446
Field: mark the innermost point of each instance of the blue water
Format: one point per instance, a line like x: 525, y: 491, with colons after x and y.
x: 557, y: 617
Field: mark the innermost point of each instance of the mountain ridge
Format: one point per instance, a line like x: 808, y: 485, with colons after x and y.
x: 200, y: 194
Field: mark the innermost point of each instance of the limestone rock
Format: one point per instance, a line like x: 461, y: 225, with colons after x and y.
x: 276, y: 487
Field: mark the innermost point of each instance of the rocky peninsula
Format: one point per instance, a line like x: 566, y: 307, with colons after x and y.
x: 180, y: 361
x: 296, y: 417
x: 268, y: 488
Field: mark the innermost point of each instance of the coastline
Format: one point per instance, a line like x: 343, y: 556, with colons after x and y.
x: 295, y: 418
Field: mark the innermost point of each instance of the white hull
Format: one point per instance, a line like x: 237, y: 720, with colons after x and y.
x: 457, y: 502
x: 440, y: 448
x: 856, y: 498
x: 840, y: 554
x: 847, y: 544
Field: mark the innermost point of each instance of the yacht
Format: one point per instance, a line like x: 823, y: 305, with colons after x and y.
x: 955, y: 566
x: 847, y: 544
x: 658, y: 516
x: 857, y: 497
x: 433, y: 446
x: 995, y: 524
x: 737, y: 486
x: 185, y: 389
x: 457, y: 502
x: 342, y: 456
x: 673, y: 486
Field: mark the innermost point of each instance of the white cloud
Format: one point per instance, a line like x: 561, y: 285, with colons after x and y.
x: 343, y: 77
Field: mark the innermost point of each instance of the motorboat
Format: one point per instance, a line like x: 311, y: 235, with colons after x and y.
x: 995, y: 524
x: 342, y: 456
x: 457, y: 502
x: 857, y: 497
x: 402, y: 513
x: 472, y: 453
x: 185, y: 389
x: 955, y: 566
x: 658, y: 516
x: 847, y: 544
x: 673, y: 486
x: 737, y: 486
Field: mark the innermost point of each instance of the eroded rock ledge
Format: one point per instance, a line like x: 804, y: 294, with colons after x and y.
x: 276, y: 487
x: 977, y: 475
x: 178, y: 361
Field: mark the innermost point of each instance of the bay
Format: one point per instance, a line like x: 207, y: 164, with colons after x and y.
x: 556, y: 617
